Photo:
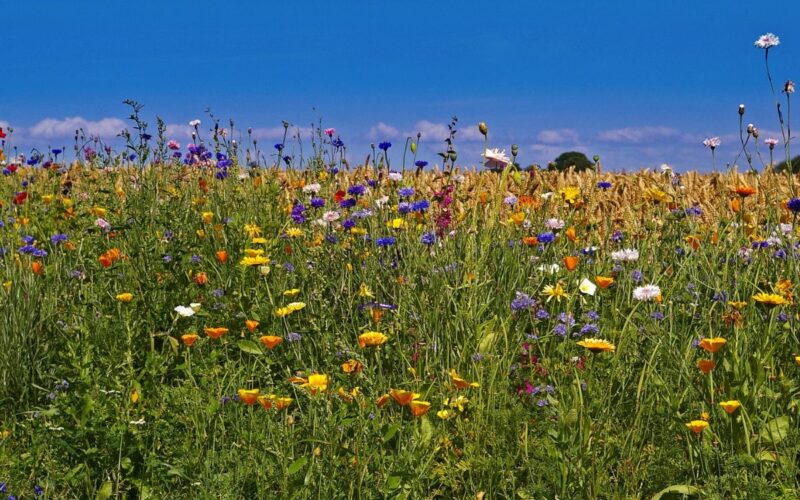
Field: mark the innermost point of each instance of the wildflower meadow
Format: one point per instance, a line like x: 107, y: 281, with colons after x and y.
x: 221, y: 318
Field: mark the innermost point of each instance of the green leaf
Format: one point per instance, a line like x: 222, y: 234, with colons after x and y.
x: 297, y: 465
x: 249, y: 346
x: 776, y: 430
x: 390, y: 432
x: 105, y: 491
x: 680, y: 489
x: 426, y: 429
x: 393, y: 482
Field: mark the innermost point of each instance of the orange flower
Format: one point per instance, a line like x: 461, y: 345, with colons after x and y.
x: 37, y: 266
x: 745, y: 191
x: 109, y: 257
x: 460, y: 383
x: 706, y: 365
x: 222, y: 256
x: 352, y: 366
x: 693, y: 242
x: 371, y: 339
x: 189, y: 339
x: 697, y: 426
x: 530, y: 241
x: 604, y: 281
x: 419, y: 408
x: 571, y: 234
x: 266, y: 401
x: 381, y: 401
x: 251, y: 325
x: 571, y: 262
x: 281, y: 403
x: 713, y: 344
x: 730, y: 406
x: 402, y: 397
x: 201, y: 278
x: 270, y: 341
x: 735, y: 205
x: 248, y: 396
x: 215, y: 332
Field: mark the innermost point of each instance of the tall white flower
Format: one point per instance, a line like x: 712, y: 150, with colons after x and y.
x: 646, y: 293
x: 767, y: 40
x: 554, y: 223
x: 312, y: 188
x: 395, y: 176
x: 330, y: 216
x: 194, y: 123
x: 496, y: 159
x: 627, y: 255
x: 184, y: 312
x: 712, y: 142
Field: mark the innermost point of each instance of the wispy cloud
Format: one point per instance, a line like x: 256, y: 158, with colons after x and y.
x: 381, y: 131
x: 178, y: 131
x: 644, y: 135
x: 558, y: 136
x: 276, y: 133
x: 53, y: 128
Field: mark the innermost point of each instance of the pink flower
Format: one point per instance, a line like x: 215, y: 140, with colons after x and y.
x: 173, y: 145
x: 330, y: 131
x: 767, y: 40
x: 712, y: 142
x: 103, y: 224
x: 771, y: 142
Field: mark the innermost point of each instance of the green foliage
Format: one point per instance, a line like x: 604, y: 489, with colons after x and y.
x: 569, y: 159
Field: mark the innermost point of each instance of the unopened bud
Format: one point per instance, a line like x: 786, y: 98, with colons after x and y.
x: 413, y: 147
x: 741, y: 109
x: 453, y: 156
x: 755, y: 132
x: 483, y: 128
x: 596, y: 158
x: 514, y: 149
x: 750, y: 128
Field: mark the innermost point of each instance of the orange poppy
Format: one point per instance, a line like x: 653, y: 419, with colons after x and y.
x: 735, y: 205
x: 419, y: 408
x: 745, y: 191
x: 270, y: 341
x: 530, y: 241
x: 37, y: 266
x: 248, y: 396
x: 189, y: 339
x: 571, y: 262
x: 265, y: 401
x: 706, y: 365
x: 215, y: 332
x: 571, y: 234
x: 251, y: 325
x: 381, y: 401
x: 222, y: 256
x: 402, y: 397
x: 352, y: 366
x: 201, y: 278
x: 604, y: 281
x: 713, y: 344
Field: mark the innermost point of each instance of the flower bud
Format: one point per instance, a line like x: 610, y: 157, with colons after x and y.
x: 741, y: 109
x: 453, y: 156
x: 514, y: 150
x: 413, y: 147
x: 755, y: 132
x: 788, y: 87
x: 483, y: 128
x: 750, y: 128
x: 596, y: 158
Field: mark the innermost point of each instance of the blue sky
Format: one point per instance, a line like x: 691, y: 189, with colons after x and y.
x: 640, y: 83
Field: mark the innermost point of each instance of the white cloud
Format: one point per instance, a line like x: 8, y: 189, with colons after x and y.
x: 178, y: 131
x: 276, y: 133
x: 430, y: 131
x: 382, y: 131
x: 641, y: 135
x: 52, y: 128
x: 558, y: 136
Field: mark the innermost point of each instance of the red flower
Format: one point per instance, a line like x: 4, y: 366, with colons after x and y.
x: 19, y: 199
x: 2, y: 134
x: 339, y: 196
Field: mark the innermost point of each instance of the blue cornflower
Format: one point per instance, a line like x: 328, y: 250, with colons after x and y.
x: 421, y: 164
x: 542, y: 403
x: 617, y: 236
x: 546, y: 237
x: 337, y: 143
x: 428, y: 239
x: 510, y: 200
x: 56, y: 151
x: 560, y: 330
x: 317, y: 202
x: 657, y: 315
x: 385, y: 145
x: 58, y: 238
x: 347, y: 203
x: 549, y: 389
x: 348, y: 224
x: 604, y: 185
x: 372, y: 183
x: 386, y: 242
x: 404, y: 207
x: 637, y: 276
x: 420, y: 206
x: 28, y: 239
x: 694, y: 210
x: 38, y: 490
x: 356, y: 190
x: 541, y: 314
x: 589, y: 329
x: 279, y: 147
x: 331, y: 238
x: 406, y: 192
x: 793, y: 205
x: 293, y: 337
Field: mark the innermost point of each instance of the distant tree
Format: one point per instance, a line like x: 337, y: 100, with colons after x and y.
x: 571, y: 159
x: 781, y: 167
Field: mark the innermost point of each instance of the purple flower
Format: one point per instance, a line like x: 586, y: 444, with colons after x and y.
x: 794, y: 205
x: 58, y: 238
x: 293, y: 337
x: 420, y: 206
x: 604, y: 185
x: 546, y: 237
x: 522, y: 301
x: 542, y: 403
x: 385, y: 146
x: 637, y: 276
x: 428, y: 239
x: 386, y: 242
x: 406, y: 192
x: 541, y: 314
x: 356, y: 190
x: 317, y: 202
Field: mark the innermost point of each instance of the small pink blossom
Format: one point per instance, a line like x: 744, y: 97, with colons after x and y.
x: 330, y: 131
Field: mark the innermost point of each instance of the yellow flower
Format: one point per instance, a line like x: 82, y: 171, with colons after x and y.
x: 317, y: 381
x: 99, y: 211
x: 730, y: 406
x: 397, y: 223
x: 208, y: 217
x: 460, y: 383
x: 259, y: 241
x: 291, y: 293
x: 737, y: 305
x: 458, y: 402
x: 282, y: 312
x: 770, y: 299
x: 371, y: 339
x: 252, y: 230
x: 248, y: 396
x: 517, y: 218
x: 697, y: 426
x: 47, y: 199
x: 419, y: 408
x: 125, y: 297
x: 556, y: 292
x: 295, y: 306
x: 597, y: 345
x: 365, y: 292
x: 570, y: 194
x: 656, y: 195
x: 445, y: 414
x: 403, y: 397
x: 294, y: 232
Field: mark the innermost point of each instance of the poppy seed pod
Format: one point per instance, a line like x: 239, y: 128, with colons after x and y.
x: 413, y: 147
x: 755, y: 132
x: 453, y: 156
x: 596, y: 158
x: 750, y: 128
x: 514, y: 149
x: 741, y: 109
x: 483, y: 128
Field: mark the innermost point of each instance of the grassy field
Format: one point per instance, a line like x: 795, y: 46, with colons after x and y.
x: 168, y: 334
